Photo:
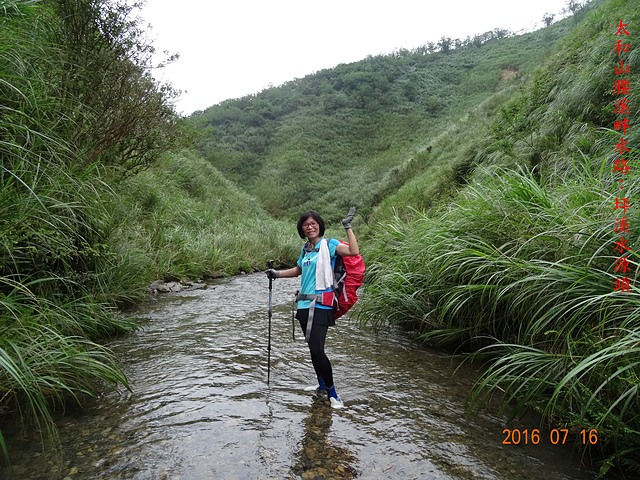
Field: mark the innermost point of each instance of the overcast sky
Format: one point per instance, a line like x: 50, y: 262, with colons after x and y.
x: 231, y: 48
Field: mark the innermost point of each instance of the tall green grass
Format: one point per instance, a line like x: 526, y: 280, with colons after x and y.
x: 49, y: 312
x: 181, y: 219
x: 43, y: 363
x: 53, y: 302
x: 516, y: 268
x: 521, y: 272
x: 78, y: 238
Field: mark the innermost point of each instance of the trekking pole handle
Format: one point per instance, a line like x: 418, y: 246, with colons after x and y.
x: 270, y: 266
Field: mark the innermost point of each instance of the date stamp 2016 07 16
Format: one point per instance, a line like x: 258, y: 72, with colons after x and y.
x: 556, y: 436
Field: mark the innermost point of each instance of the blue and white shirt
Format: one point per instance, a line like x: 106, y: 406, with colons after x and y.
x: 307, y: 262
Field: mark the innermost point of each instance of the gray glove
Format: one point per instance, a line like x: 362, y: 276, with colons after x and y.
x: 273, y: 274
x: 346, y: 221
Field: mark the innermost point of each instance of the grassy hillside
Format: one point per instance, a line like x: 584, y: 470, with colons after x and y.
x: 96, y: 200
x: 343, y: 136
x: 181, y: 219
x: 518, y: 263
x: 482, y: 169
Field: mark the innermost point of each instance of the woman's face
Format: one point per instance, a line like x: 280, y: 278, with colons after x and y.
x: 311, y: 229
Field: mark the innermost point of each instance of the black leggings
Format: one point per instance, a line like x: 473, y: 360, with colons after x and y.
x: 321, y: 363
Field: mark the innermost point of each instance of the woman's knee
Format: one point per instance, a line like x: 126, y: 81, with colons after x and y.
x: 320, y: 359
x: 316, y: 348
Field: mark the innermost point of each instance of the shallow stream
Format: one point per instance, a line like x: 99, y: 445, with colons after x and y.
x: 200, y: 406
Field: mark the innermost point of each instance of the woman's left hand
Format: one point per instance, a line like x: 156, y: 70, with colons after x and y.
x: 346, y: 221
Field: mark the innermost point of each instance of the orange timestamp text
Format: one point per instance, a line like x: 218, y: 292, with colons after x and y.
x: 556, y: 436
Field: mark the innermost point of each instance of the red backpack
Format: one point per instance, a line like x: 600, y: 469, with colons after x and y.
x: 348, y: 275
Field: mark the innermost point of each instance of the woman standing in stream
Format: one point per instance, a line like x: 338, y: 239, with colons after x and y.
x: 315, y: 299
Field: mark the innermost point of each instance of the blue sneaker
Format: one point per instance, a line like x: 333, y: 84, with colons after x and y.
x: 335, y: 400
x: 317, y: 389
x: 320, y: 389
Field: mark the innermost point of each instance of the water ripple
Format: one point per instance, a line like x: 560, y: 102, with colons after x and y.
x: 201, y: 408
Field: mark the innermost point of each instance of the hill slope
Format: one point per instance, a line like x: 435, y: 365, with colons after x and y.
x: 524, y: 264
x: 491, y: 186
x: 333, y: 139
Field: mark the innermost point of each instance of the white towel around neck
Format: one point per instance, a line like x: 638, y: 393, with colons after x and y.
x: 324, y: 272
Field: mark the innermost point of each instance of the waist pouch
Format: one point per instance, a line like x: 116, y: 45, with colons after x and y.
x: 326, y: 299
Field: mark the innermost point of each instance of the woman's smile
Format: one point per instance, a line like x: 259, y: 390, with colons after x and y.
x: 310, y: 229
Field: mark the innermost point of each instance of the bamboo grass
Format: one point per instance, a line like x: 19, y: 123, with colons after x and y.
x: 521, y: 273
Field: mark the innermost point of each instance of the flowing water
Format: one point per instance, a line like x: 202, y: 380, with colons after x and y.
x: 200, y: 406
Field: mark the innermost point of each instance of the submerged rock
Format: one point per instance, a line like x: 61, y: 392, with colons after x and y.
x: 160, y: 286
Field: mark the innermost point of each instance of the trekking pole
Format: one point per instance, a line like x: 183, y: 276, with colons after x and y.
x: 293, y: 319
x: 270, y: 264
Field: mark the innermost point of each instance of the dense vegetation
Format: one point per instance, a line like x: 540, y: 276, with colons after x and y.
x: 92, y: 208
x: 481, y: 168
x: 519, y: 265
x: 362, y: 121
x: 488, y: 188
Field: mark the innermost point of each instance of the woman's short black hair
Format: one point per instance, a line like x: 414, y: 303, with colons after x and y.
x: 315, y: 216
